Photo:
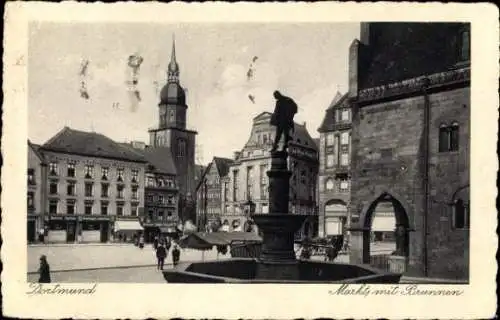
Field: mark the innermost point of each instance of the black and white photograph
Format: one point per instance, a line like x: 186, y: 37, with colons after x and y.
x: 327, y: 153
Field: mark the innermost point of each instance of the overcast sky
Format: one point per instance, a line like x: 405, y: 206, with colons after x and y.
x: 307, y: 62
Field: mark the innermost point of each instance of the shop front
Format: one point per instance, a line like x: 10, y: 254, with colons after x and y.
x: 94, y: 229
x: 62, y: 229
x: 152, y: 230
x: 127, y: 230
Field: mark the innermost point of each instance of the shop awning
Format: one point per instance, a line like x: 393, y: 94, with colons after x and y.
x: 124, y: 225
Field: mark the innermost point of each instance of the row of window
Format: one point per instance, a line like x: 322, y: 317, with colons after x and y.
x: 89, y: 189
x: 89, y: 208
x: 338, y: 139
x: 159, y: 216
x: 159, y: 182
x: 88, y: 172
x: 341, y: 184
x: 170, y: 200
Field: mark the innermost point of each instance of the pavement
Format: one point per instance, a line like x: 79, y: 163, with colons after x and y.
x: 74, y: 257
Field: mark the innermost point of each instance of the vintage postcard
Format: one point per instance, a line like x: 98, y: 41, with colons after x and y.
x: 245, y: 160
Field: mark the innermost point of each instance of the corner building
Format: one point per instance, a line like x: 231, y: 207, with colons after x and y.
x: 409, y: 87
x: 92, y: 183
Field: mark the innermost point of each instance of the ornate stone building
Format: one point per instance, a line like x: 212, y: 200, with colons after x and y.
x: 172, y: 133
x: 335, y: 168
x: 93, y: 184
x: 247, y: 179
x: 209, y: 193
x: 409, y: 88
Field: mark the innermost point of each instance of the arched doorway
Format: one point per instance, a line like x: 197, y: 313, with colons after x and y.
x: 335, y: 217
x: 379, y: 241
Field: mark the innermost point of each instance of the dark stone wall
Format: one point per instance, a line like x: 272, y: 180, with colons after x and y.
x: 388, y: 140
x: 393, y: 52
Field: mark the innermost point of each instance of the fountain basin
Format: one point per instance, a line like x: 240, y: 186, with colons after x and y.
x: 244, y: 270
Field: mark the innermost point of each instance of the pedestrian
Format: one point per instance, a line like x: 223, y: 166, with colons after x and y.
x: 41, y: 234
x: 168, y: 244
x: 155, y: 243
x: 44, y: 270
x: 161, y: 253
x: 141, y: 241
x: 176, y: 255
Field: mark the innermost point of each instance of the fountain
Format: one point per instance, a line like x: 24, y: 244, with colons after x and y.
x: 277, y: 262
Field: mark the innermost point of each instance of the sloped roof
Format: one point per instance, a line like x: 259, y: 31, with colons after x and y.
x: 301, y: 136
x: 223, y: 165
x: 36, y: 150
x: 89, y: 144
x: 316, y: 140
x: 329, y: 119
x: 159, y: 157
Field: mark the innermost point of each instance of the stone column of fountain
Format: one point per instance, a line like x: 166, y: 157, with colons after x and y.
x: 277, y: 260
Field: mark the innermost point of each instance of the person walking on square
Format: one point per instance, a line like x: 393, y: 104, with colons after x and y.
x: 44, y: 270
x: 161, y: 253
x: 176, y: 255
x: 155, y: 243
x: 141, y: 241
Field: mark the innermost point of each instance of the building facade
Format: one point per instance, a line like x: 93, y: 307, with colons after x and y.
x: 335, y: 168
x: 409, y: 86
x: 247, y: 180
x: 209, y: 193
x: 92, y: 184
x: 172, y: 133
x: 161, y: 191
x: 36, y: 196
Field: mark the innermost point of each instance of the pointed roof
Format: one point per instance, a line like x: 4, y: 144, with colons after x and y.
x: 329, y: 120
x: 223, y: 165
x: 36, y: 150
x: 173, y: 66
x: 90, y: 144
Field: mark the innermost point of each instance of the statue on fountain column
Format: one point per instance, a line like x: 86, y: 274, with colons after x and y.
x: 282, y: 118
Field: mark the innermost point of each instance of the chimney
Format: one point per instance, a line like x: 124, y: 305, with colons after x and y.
x: 304, y: 124
x: 237, y: 155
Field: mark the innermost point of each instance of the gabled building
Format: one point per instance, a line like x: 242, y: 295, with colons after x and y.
x: 409, y: 88
x: 335, y: 168
x: 92, y: 184
x: 211, y: 191
x: 248, y: 181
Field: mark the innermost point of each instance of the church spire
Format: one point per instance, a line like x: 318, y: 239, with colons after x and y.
x: 173, y: 67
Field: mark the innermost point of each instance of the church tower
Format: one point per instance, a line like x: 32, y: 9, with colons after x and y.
x: 172, y: 132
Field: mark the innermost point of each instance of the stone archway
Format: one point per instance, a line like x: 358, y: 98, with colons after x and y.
x: 402, y: 226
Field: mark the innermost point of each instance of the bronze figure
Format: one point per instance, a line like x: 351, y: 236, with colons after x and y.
x: 282, y: 118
